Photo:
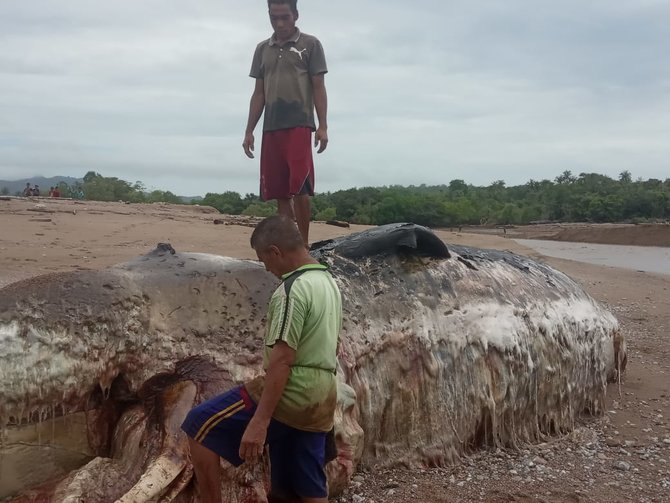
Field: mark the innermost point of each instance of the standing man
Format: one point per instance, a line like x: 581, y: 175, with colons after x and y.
x: 291, y: 407
x: 289, y: 69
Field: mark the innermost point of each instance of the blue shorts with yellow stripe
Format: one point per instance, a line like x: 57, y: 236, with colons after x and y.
x: 297, y: 457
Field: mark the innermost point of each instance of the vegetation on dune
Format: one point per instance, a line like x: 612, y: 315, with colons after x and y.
x: 99, y: 188
x: 587, y: 197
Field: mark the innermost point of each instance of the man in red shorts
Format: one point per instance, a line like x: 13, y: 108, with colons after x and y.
x: 289, y: 69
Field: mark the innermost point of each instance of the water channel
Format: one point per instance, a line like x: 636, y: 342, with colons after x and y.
x: 652, y: 259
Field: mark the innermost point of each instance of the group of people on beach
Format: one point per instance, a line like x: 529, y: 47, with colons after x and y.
x: 31, y: 191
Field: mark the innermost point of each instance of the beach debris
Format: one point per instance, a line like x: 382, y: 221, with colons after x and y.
x: 241, y: 220
x: 41, y: 208
x: 338, y: 223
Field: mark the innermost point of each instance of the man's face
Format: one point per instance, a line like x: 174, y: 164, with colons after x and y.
x: 272, y: 260
x: 282, y: 19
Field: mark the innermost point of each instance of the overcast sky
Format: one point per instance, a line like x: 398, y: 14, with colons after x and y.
x: 421, y: 91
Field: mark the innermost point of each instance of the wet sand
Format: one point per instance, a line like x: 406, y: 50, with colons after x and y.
x: 54, y: 236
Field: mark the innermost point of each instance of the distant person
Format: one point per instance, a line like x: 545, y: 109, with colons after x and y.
x: 56, y: 192
x: 28, y: 190
x: 51, y: 191
x: 36, y: 190
x: 289, y: 69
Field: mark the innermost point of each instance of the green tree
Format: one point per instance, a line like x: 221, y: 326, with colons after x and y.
x: 565, y: 178
x: 99, y: 188
x: 457, y: 188
x: 261, y: 209
x: 510, y: 214
x: 65, y: 190
x: 326, y: 214
x: 229, y: 203
x: 161, y: 196
x: 91, y: 176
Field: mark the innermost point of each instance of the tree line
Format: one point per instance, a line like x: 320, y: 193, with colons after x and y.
x: 589, y: 197
x: 96, y: 187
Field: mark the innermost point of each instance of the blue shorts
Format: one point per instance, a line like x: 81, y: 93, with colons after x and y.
x: 297, y: 458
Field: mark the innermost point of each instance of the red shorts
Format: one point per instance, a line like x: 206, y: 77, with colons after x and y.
x: 287, y: 167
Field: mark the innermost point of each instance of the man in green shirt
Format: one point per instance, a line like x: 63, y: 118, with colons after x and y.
x: 291, y: 407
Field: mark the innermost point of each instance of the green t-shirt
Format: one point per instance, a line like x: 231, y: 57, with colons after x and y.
x: 305, y: 312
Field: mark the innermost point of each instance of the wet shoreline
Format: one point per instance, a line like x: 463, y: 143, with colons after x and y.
x: 651, y: 259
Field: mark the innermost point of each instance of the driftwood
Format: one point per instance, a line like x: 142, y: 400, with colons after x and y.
x: 242, y: 220
x: 338, y: 223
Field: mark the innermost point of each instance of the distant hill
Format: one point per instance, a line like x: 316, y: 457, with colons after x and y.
x: 15, y: 186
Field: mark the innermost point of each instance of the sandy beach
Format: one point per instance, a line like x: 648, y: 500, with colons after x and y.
x: 622, y: 456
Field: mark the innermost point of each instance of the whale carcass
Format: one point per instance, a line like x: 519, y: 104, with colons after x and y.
x: 443, y: 350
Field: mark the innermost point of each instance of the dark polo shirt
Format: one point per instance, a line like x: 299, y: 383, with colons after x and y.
x: 287, y: 73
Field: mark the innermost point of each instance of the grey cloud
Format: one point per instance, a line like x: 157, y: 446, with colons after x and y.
x: 420, y: 92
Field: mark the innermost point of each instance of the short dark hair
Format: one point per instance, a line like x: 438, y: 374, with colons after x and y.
x: 293, y: 4
x: 278, y: 230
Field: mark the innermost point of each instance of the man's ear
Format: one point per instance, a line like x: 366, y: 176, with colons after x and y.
x: 296, y: 14
x: 274, y: 249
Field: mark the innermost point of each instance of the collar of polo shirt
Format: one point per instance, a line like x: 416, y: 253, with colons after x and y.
x: 294, y: 38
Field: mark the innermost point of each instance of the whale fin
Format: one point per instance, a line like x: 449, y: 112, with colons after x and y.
x: 389, y: 239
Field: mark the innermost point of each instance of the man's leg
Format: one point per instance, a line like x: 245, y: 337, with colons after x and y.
x: 207, y: 471
x: 285, y: 207
x: 298, y: 149
x: 214, y: 429
x: 297, y: 460
x: 303, y: 214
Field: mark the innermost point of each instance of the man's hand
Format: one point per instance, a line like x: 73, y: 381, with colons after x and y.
x: 282, y: 357
x: 248, y: 145
x: 321, y: 139
x: 253, y: 440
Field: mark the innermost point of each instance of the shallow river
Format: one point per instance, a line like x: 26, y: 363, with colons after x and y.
x: 639, y: 258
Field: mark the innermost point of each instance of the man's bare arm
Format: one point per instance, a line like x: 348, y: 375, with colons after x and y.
x: 321, y: 105
x: 255, y: 111
x: 282, y: 357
